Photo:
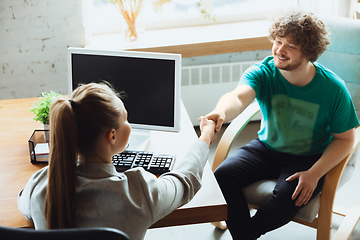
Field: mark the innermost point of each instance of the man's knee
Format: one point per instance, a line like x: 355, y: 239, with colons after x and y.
x: 282, y: 195
x: 221, y: 174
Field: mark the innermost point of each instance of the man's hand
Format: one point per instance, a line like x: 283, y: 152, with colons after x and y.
x: 305, y: 188
x: 338, y: 148
x: 217, y: 118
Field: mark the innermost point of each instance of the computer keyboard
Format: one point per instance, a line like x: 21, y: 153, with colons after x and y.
x: 154, y: 163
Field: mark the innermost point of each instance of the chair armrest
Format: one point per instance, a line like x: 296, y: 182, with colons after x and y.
x: 232, y: 131
x: 333, y: 176
x: 330, y: 186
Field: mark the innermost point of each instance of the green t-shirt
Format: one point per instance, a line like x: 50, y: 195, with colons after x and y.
x: 300, y: 120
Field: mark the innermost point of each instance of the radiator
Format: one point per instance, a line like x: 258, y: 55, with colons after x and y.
x: 203, y: 85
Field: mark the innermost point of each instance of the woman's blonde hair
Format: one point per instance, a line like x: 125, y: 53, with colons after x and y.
x: 76, y: 125
x: 304, y: 29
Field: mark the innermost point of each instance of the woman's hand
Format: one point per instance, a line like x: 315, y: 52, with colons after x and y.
x: 207, y: 128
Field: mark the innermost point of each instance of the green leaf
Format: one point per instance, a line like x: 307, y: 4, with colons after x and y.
x: 42, y: 108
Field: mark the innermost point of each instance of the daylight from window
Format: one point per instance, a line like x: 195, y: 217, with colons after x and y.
x: 104, y: 17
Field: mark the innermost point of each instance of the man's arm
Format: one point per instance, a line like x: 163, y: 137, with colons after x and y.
x: 231, y: 104
x: 336, y: 151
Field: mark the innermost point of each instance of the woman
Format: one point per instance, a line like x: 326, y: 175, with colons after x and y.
x: 81, y: 188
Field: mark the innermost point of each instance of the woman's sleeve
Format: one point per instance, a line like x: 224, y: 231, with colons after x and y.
x: 25, y: 194
x: 174, y: 189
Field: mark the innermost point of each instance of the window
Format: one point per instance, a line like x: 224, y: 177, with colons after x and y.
x: 105, y: 17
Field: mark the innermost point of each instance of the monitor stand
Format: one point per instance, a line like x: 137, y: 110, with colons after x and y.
x: 138, y: 139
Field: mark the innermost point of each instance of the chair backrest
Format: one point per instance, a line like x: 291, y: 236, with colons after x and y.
x: 343, y: 55
x: 7, y: 233
x: 343, y: 58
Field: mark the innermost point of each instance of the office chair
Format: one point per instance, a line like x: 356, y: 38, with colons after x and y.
x: 7, y: 233
x: 342, y: 57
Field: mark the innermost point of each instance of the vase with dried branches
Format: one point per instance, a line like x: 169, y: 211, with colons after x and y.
x: 130, y: 10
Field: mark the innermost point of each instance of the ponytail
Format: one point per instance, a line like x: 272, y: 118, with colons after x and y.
x: 75, y: 126
x: 60, y: 195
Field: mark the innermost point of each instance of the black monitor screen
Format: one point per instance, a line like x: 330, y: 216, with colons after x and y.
x: 147, y: 83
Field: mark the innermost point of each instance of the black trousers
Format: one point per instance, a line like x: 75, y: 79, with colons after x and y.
x: 249, y: 164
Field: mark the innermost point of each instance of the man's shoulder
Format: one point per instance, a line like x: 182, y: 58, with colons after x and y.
x: 329, y: 76
x: 265, y: 66
x: 268, y: 61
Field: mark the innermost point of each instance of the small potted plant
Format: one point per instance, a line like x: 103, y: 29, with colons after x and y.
x: 42, y: 108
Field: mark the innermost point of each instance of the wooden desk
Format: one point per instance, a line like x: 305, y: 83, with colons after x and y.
x: 16, y: 126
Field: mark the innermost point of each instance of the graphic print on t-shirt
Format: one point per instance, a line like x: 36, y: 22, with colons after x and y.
x: 291, y: 123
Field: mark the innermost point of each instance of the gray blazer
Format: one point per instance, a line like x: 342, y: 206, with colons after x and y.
x: 131, y: 201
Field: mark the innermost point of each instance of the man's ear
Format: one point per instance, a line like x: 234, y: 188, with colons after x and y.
x: 112, y: 136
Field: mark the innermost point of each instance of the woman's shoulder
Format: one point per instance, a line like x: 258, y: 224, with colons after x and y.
x: 39, y: 175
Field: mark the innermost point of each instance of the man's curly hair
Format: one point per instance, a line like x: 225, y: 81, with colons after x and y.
x: 305, y: 30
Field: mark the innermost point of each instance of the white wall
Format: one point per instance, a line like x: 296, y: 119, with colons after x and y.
x: 34, y: 37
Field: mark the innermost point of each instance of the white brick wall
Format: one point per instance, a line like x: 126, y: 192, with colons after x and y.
x: 34, y: 37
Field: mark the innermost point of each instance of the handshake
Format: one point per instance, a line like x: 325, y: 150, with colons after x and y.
x: 208, y: 130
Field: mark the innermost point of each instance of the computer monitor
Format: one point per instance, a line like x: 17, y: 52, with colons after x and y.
x: 150, y: 81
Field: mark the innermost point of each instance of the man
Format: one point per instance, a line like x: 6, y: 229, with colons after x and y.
x: 307, y: 128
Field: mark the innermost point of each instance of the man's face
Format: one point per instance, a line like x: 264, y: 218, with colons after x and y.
x: 287, y: 56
